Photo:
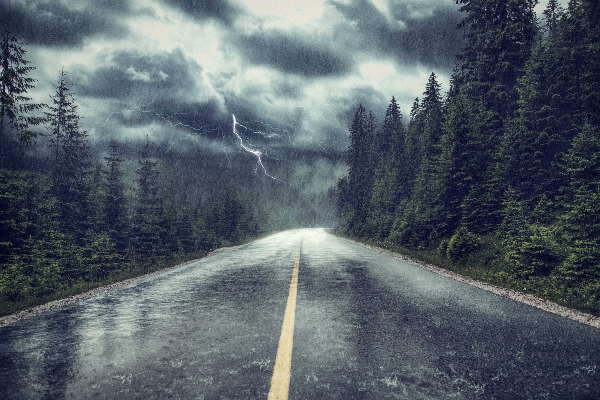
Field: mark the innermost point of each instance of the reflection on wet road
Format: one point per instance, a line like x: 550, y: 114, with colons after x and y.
x: 366, y: 326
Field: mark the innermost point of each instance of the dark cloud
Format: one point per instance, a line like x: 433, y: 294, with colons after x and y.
x: 295, y: 54
x: 128, y: 73
x: 52, y: 23
x: 219, y: 10
x: 287, y: 89
x: 302, y: 102
x: 427, y: 35
x: 168, y: 86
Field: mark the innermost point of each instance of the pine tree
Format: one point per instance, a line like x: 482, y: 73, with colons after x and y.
x: 14, y: 225
x: 568, y: 77
x: 414, y: 145
x: 558, y: 95
x: 432, y: 114
x: 499, y: 38
x: 71, y: 160
x: 360, y: 172
x: 385, y: 139
x: 15, y: 106
x: 115, y: 202
x: 390, y: 174
x: 229, y: 217
x: 552, y: 15
x: 149, y: 230
x: 532, y: 144
x: 499, y: 35
x: 421, y: 213
x: 31, y: 243
x: 580, y: 225
x: 459, y: 165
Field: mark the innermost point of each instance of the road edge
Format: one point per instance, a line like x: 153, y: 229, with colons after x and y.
x: 56, y: 304
x: 529, y: 299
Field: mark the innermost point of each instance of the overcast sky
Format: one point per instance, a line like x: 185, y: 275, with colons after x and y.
x: 296, y: 69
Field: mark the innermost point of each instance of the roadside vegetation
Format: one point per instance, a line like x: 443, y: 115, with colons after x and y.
x: 487, y: 264
x: 70, y: 222
x: 53, y: 246
x: 78, y: 212
x: 499, y: 178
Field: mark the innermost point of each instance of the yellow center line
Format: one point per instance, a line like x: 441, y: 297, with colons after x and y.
x: 280, y: 382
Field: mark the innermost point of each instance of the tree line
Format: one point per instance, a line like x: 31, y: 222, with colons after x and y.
x: 502, y: 172
x: 80, y: 219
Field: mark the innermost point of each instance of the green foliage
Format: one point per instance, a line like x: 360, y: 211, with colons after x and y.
x: 443, y: 247
x: 580, y: 230
x: 419, y: 221
x: 229, y: 219
x: 537, y: 254
x: 389, y: 186
x: 43, y: 255
x: 459, y: 163
x: 70, y: 147
x: 115, y: 205
x: 15, y: 106
x: 361, y: 166
x: 503, y: 177
x: 462, y: 243
x: 100, y: 257
x: 13, y: 220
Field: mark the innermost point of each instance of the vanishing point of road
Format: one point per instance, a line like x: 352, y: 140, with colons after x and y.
x: 300, y: 314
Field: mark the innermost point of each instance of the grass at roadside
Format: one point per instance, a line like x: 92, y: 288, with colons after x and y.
x: 78, y: 287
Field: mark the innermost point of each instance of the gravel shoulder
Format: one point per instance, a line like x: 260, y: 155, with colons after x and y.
x: 529, y: 299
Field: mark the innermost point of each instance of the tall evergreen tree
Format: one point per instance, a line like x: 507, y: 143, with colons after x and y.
x: 386, y: 138
x: 70, y: 145
x: 149, y: 230
x: 422, y: 211
x: 432, y: 114
x: 115, y: 202
x: 15, y: 106
x: 580, y: 224
x: 414, y: 144
x: 558, y: 96
x: 499, y: 38
x: 390, y: 173
x: 552, y: 15
x: 360, y: 171
x: 459, y: 164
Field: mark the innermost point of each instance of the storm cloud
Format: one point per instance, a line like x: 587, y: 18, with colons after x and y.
x: 54, y: 23
x: 294, y: 54
x: 219, y: 10
x: 425, y: 34
x: 293, y: 71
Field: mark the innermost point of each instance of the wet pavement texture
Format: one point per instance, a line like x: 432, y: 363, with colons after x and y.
x: 367, y: 327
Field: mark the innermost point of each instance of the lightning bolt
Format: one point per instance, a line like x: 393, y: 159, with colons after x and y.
x: 269, y: 130
x: 256, y: 152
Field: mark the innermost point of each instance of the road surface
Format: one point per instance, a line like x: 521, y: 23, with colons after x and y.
x: 363, y: 326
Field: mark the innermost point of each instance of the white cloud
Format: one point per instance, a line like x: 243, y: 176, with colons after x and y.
x: 142, y: 76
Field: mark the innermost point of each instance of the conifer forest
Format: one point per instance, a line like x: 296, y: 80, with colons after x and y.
x: 76, y: 214
x: 500, y: 177
x: 496, y: 176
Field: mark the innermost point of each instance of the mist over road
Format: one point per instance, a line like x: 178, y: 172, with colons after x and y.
x: 366, y: 326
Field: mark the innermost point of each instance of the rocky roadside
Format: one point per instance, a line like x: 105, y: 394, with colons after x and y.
x: 529, y: 299
x: 37, y: 310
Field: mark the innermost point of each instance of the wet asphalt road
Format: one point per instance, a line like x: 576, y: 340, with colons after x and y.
x: 367, y: 326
